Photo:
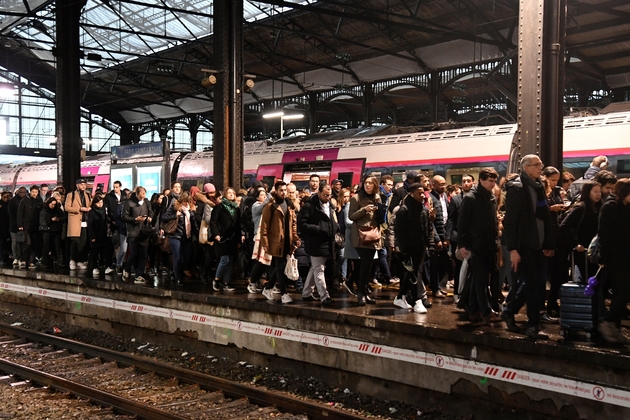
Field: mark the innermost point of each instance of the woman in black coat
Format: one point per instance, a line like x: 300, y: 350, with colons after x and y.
x: 51, y: 220
x: 579, y: 227
x: 97, y: 236
x: 225, y: 227
x: 181, y: 240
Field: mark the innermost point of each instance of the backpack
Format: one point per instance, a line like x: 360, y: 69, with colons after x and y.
x: 594, y: 250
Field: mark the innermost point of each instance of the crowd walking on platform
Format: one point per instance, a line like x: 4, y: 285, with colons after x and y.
x: 471, y: 242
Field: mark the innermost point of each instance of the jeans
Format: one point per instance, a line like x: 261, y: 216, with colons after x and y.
x: 532, y: 272
x: 316, y: 277
x: 224, y: 269
x: 382, y: 265
x: 15, y: 246
x: 122, y: 250
x: 506, y: 269
x: 181, y: 249
x: 137, y: 257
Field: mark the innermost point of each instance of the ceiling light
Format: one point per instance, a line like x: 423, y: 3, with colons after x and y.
x: 274, y: 114
x: 7, y: 90
x: 293, y: 117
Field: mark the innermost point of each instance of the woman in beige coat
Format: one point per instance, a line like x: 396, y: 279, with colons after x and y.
x: 365, y: 235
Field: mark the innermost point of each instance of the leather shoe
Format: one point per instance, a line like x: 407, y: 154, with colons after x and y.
x: 509, y: 322
x: 369, y: 300
x: 361, y: 300
x: 491, y: 318
x: 327, y: 302
x: 426, y: 302
x: 535, y: 334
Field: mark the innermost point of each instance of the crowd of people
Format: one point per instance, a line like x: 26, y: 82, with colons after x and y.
x: 481, y: 237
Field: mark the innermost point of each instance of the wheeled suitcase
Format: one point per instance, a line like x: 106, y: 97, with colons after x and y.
x: 578, y: 312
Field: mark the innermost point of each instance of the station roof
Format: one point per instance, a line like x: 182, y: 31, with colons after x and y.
x: 143, y: 58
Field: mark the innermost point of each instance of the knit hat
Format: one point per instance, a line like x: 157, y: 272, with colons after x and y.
x: 209, y: 188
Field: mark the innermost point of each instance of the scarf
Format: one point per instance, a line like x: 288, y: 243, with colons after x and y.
x: 186, y: 212
x: 542, y: 208
x: 230, y: 206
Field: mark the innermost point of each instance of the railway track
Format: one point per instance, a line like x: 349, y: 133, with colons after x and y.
x: 142, y: 387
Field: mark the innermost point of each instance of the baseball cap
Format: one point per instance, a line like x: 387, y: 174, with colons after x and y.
x: 411, y: 174
x: 336, y: 180
x: 81, y: 181
x: 209, y: 188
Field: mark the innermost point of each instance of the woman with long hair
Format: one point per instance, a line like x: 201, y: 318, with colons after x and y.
x: 100, y: 244
x: 365, y: 234
x: 341, y: 266
x: 225, y: 225
x: 51, y: 220
x: 557, y: 267
x: 579, y: 227
x: 181, y: 240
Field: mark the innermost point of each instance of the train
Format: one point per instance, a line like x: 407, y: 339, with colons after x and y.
x: 352, y: 154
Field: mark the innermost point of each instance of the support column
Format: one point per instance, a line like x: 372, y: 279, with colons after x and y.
x: 228, y: 97
x: 540, y: 86
x: 368, y: 100
x: 68, y: 96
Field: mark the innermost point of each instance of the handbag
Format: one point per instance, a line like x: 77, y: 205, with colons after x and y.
x: 146, y: 231
x: 203, y: 233
x: 340, y: 240
x: 170, y: 227
x: 369, y: 235
x: 164, y: 244
x: 291, y: 269
x: 20, y: 237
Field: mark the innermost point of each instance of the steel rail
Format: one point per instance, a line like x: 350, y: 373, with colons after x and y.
x: 100, y: 397
x: 256, y: 395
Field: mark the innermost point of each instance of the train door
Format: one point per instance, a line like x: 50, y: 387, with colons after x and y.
x: 269, y: 173
x: 350, y: 171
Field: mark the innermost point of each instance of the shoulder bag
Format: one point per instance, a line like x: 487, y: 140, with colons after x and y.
x: 203, y: 233
x: 170, y: 227
x: 369, y: 235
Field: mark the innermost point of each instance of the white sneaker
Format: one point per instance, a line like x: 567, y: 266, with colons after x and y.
x: 16, y: 263
x: 394, y: 280
x: 275, y: 290
x: 251, y: 288
x: 286, y: 298
x: 268, y: 294
x: 419, y: 307
x: 402, y: 303
x: 95, y: 272
x: 375, y: 283
x: 82, y: 266
x: 109, y: 270
x: 456, y: 299
x: 72, y: 265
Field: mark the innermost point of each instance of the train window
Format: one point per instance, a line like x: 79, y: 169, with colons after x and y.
x: 456, y: 179
x: 623, y: 166
x: 346, y: 178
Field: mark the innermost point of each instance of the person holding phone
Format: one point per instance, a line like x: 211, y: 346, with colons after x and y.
x: 135, y: 212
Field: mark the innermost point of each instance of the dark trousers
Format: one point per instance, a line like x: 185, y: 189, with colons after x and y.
x: 98, y: 257
x: 137, y: 257
x: 366, y: 256
x: 458, y: 268
x: 411, y: 284
x: 276, y: 274
x: 208, y: 259
x: 438, y: 267
x: 25, y: 250
x: 52, y: 243
x: 257, y: 271
x: 532, y: 272
x: 480, y: 279
x: 620, y: 280
x: 78, y: 251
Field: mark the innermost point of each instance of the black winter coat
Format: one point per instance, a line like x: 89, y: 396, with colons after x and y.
x: 28, y: 214
x: 97, y: 227
x: 454, y: 208
x: 171, y: 214
x: 4, y: 219
x: 132, y: 209
x: 46, y: 215
x: 228, y: 228
x: 111, y: 204
x: 614, y: 233
x: 13, y: 205
x: 412, y: 229
x: 439, y: 222
x: 519, y: 226
x: 477, y: 222
x: 317, y: 228
x: 579, y: 226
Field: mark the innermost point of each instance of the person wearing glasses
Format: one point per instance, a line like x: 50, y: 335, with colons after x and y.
x: 317, y: 227
x: 529, y: 238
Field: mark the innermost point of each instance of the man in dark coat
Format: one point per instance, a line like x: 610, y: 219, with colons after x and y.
x: 414, y: 237
x: 318, y: 227
x: 28, y: 222
x: 451, y: 225
x: 527, y: 232
x: 14, y: 203
x: 4, y: 224
x: 135, y: 212
x: 478, y: 240
x: 439, y: 259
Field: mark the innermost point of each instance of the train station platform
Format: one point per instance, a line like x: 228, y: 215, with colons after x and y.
x: 437, y: 351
